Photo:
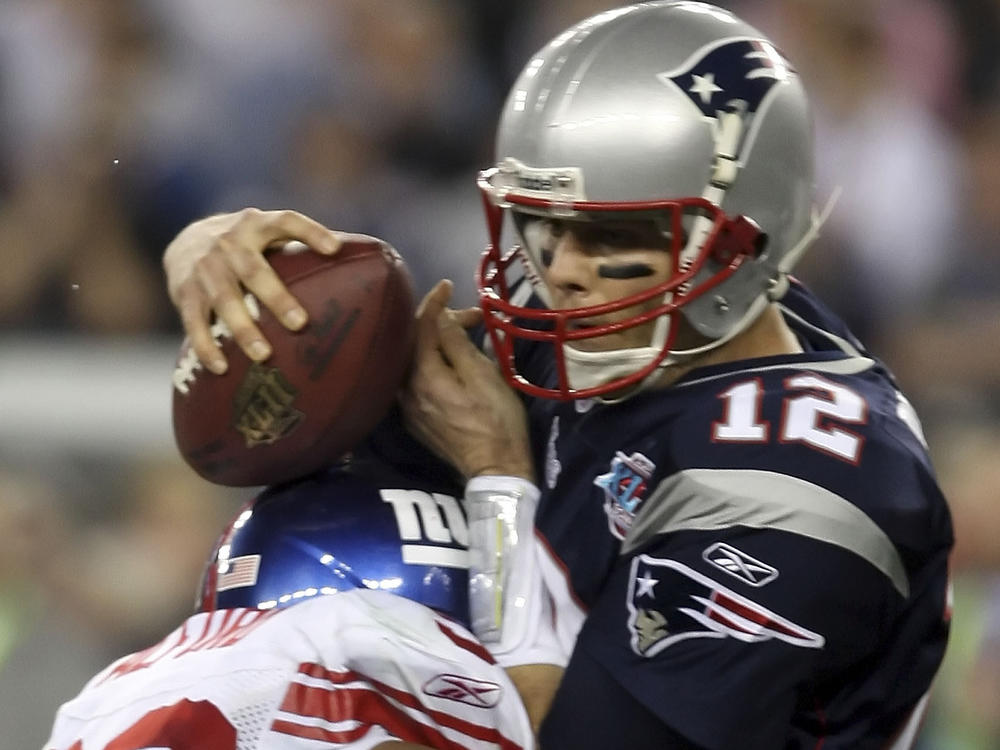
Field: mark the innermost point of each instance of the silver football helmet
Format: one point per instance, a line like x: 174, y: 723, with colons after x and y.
x: 675, y: 111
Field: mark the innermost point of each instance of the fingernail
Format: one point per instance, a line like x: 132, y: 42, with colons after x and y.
x: 217, y: 365
x: 259, y: 351
x: 295, y: 318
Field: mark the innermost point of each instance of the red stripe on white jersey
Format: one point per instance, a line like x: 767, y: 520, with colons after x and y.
x: 369, y: 709
x: 472, y: 647
x: 338, y: 677
x: 370, y: 705
x: 306, y: 732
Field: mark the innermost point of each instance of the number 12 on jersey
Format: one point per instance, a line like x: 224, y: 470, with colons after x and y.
x: 814, y: 411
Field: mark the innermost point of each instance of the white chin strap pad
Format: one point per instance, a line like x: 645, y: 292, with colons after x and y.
x: 590, y: 369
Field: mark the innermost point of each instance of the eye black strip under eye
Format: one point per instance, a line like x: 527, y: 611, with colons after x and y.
x: 625, y: 271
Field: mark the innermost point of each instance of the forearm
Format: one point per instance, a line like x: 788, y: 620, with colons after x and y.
x: 537, y: 685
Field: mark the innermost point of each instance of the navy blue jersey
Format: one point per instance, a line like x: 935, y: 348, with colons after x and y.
x: 754, y: 557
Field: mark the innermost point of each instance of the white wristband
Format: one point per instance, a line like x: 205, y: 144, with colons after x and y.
x: 501, y: 512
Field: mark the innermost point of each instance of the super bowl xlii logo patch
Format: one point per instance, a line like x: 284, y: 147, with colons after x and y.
x: 624, y: 488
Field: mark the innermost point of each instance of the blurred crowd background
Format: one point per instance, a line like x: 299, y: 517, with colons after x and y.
x: 122, y: 121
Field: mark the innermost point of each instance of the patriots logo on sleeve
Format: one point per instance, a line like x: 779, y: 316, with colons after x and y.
x: 668, y: 602
x: 730, y: 75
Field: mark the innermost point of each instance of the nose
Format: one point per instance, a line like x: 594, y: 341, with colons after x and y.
x: 569, y: 275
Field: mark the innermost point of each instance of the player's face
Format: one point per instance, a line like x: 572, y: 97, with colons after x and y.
x: 586, y: 263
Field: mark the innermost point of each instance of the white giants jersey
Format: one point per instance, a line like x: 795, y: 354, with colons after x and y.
x: 353, y: 669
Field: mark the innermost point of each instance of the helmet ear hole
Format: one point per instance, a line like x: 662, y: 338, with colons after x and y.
x: 738, y: 237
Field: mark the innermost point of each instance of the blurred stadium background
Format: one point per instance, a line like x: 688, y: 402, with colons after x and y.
x: 122, y: 121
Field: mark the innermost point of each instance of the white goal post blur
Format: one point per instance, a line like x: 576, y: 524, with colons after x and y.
x: 86, y: 394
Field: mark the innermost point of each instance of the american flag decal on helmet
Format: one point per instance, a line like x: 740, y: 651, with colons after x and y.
x: 238, y: 572
x: 730, y: 75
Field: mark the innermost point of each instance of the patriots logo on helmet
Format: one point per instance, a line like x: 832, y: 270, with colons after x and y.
x: 692, y: 605
x: 732, y: 75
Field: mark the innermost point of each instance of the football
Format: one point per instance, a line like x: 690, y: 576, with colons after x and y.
x: 323, y: 388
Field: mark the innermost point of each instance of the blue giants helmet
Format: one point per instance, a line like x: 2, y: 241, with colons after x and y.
x: 338, y: 530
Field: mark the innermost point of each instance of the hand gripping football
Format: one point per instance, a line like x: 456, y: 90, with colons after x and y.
x: 322, y: 389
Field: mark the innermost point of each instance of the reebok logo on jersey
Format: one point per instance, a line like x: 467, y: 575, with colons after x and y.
x: 739, y: 564
x: 624, y: 490
x: 464, y: 690
x: 691, y: 605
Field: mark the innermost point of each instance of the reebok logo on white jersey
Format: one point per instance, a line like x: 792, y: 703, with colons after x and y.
x: 739, y: 564
x: 464, y: 689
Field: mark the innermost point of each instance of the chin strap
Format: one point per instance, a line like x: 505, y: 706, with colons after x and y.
x: 588, y: 369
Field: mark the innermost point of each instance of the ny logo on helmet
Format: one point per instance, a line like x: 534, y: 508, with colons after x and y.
x: 432, y: 527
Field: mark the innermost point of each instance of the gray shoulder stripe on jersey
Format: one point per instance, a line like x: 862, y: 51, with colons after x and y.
x: 711, y: 499
x: 850, y: 366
